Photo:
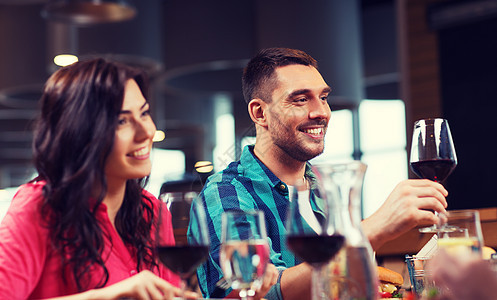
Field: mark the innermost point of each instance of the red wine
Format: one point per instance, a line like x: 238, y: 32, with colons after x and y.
x: 436, y: 169
x: 315, y: 249
x: 182, y: 259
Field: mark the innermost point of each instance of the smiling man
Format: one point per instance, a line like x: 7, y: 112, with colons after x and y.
x: 287, y: 100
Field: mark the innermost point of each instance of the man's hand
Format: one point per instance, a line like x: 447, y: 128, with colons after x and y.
x: 410, y: 204
x: 270, y: 279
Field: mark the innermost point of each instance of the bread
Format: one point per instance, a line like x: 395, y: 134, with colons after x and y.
x: 389, y: 276
x: 389, y: 284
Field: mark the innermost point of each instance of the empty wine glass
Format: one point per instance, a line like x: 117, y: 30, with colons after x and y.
x: 180, y: 256
x: 433, y: 155
x: 314, y: 231
x: 244, y: 253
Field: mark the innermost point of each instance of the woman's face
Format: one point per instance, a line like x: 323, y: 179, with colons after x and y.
x: 130, y: 156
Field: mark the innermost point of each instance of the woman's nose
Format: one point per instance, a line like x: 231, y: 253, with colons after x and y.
x: 145, y: 129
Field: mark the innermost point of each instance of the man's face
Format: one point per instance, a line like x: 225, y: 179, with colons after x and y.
x: 299, y: 112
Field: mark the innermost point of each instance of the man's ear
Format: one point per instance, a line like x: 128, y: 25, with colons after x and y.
x: 257, y: 111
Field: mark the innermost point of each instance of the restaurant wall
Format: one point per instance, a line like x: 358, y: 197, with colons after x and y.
x: 448, y: 69
x: 468, y: 80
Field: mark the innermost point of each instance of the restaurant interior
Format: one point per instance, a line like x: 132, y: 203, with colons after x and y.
x: 434, y: 58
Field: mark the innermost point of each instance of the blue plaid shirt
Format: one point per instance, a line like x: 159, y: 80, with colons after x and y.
x: 246, y: 184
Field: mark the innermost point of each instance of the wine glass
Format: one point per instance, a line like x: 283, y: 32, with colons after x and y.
x: 314, y: 235
x: 244, y: 253
x: 179, y: 255
x: 433, y: 155
x: 460, y: 233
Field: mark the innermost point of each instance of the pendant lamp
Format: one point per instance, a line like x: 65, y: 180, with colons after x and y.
x: 88, y: 12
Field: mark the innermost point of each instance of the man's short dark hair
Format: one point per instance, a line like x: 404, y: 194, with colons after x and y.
x: 259, y: 81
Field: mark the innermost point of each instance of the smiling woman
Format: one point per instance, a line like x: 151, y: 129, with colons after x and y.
x: 87, y: 224
x: 130, y: 156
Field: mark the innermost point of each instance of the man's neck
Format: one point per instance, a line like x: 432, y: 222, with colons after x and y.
x: 283, y: 166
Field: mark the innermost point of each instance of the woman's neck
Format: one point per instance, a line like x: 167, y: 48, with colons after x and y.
x: 114, y: 199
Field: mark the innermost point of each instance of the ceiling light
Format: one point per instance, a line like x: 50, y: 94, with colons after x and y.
x: 204, y: 166
x: 88, y: 12
x: 159, y: 136
x: 63, y: 60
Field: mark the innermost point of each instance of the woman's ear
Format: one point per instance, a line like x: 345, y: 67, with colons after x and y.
x: 257, y: 111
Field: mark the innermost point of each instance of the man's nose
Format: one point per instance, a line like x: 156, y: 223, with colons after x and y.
x: 319, y: 110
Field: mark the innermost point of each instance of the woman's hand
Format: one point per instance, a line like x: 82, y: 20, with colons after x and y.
x: 142, y: 286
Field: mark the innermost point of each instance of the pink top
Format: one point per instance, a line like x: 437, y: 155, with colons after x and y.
x: 29, y: 268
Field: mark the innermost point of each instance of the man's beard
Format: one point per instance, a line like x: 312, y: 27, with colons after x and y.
x: 285, y: 138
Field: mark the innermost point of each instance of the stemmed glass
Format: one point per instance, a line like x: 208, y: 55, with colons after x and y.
x: 314, y: 235
x: 180, y: 256
x: 244, y: 253
x: 460, y: 233
x: 433, y: 155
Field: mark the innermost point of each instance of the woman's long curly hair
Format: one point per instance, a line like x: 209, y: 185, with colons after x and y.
x: 73, y: 138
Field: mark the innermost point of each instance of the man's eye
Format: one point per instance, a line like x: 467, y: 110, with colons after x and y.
x: 324, y: 98
x: 301, y: 99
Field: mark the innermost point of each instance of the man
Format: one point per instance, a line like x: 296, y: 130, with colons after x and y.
x: 288, y: 102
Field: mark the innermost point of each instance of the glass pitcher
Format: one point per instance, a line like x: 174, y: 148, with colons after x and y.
x: 352, y: 272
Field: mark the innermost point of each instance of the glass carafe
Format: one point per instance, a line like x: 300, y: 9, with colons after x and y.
x: 352, y: 272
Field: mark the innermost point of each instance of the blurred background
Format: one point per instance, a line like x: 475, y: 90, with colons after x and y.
x: 389, y: 62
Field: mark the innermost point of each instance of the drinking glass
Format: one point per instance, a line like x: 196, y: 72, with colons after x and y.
x: 314, y: 231
x: 433, y: 155
x: 180, y: 256
x: 244, y: 253
x: 422, y: 283
x: 460, y: 233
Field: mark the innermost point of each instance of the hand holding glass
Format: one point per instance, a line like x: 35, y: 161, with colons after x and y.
x: 433, y: 155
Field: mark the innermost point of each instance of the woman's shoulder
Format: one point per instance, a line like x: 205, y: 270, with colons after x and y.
x: 28, y: 193
x: 149, y: 195
x: 25, y: 207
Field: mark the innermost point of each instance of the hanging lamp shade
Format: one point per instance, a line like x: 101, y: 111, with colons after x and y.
x: 88, y: 12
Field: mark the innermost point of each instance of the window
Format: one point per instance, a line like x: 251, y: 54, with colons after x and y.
x: 383, y: 145
x: 166, y: 165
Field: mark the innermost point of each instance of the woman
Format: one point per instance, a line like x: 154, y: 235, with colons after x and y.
x: 85, y: 226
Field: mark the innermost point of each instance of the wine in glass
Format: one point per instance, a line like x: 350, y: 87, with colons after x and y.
x: 433, y: 155
x: 460, y: 233
x: 314, y: 235
x: 244, y: 253
x: 180, y: 256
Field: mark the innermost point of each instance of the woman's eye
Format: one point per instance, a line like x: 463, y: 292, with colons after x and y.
x: 121, y: 121
x: 146, y: 113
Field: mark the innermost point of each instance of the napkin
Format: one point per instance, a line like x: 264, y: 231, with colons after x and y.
x: 429, y: 248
